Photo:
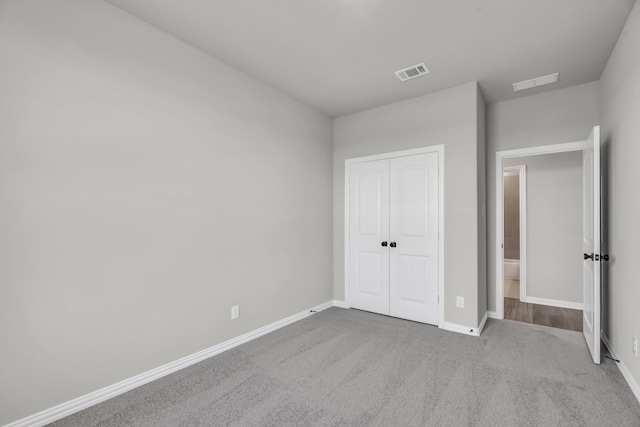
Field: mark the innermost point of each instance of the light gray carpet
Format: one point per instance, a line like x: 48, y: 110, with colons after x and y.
x: 348, y: 367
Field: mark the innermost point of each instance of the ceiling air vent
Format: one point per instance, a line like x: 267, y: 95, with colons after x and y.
x: 538, y: 81
x: 412, y: 72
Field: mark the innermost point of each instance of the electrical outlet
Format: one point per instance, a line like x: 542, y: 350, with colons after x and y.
x: 460, y: 302
x: 634, y: 346
x: 235, y: 312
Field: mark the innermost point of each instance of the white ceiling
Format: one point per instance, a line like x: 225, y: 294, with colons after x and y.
x: 339, y: 56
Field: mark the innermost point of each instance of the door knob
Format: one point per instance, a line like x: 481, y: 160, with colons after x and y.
x: 604, y: 257
x: 587, y: 256
x: 392, y: 244
x: 384, y: 244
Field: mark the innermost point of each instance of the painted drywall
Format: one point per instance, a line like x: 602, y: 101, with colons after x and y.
x: 556, y: 117
x: 554, y: 225
x: 145, y: 189
x: 481, y: 200
x: 620, y: 95
x: 449, y: 118
x: 511, y: 217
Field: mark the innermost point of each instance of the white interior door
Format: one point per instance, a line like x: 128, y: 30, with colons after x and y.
x: 591, y: 244
x: 413, y: 242
x: 368, y: 232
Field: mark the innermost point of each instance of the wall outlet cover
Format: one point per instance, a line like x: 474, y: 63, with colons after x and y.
x: 460, y: 302
x: 235, y: 312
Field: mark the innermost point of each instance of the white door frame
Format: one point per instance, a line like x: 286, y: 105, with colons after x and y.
x: 521, y: 172
x: 423, y: 150
x: 499, y: 173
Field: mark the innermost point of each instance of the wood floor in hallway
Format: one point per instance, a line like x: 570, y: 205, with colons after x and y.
x: 538, y: 314
x: 556, y: 317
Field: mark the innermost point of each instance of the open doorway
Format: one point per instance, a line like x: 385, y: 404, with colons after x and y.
x: 540, y: 226
x: 589, y: 223
x: 550, y: 293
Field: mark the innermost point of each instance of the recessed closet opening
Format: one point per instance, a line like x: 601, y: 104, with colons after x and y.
x: 394, y: 251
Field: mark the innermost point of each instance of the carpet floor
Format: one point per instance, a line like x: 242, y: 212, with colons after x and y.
x: 353, y: 368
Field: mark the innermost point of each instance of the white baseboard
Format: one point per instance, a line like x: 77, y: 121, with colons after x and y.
x: 633, y: 384
x: 483, y: 322
x: 553, y: 302
x: 493, y: 315
x: 461, y: 329
x: 340, y: 304
x: 65, y: 409
x: 447, y: 326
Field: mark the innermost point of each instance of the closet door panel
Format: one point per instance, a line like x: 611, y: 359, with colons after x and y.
x: 413, y: 217
x: 368, y: 228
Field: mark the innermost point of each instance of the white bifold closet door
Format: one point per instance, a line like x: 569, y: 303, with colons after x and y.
x: 393, y: 237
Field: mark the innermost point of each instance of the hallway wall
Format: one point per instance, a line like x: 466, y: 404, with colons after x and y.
x: 554, y: 225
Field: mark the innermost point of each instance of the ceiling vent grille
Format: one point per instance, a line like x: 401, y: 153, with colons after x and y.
x: 412, y: 72
x: 538, y: 81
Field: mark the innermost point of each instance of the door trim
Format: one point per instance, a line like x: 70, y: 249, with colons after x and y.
x: 499, y: 173
x: 404, y: 153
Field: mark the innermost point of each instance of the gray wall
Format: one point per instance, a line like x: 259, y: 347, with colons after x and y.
x: 555, y: 117
x: 620, y: 92
x: 145, y: 188
x: 448, y: 117
x: 511, y: 217
x: 554, y: 225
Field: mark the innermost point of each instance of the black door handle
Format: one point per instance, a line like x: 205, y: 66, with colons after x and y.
x: 587, y: 256
x: 392, y: 244
x: 384, y: 244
